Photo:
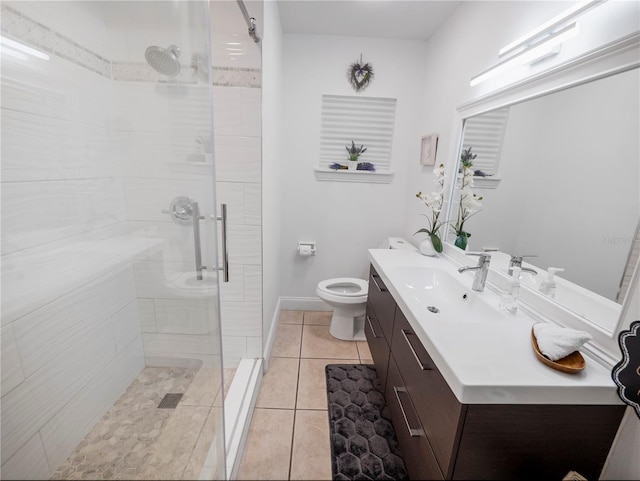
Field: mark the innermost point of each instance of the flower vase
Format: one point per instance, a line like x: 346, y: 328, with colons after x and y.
x: 430, y: 246
x: 461, y: 240
x: 353, y: 165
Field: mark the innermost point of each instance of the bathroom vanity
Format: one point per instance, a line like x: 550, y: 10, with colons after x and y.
x: 468, y: 398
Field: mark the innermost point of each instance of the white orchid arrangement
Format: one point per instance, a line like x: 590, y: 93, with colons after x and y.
x: 434, y: 202
x: 469, y: 203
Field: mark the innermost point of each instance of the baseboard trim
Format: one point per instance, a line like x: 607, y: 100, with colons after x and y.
x: 266, y: 355
x: 303, y: 304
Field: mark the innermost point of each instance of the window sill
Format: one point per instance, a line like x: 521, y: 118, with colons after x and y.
x: 486, y: 182
x: 353, y: 176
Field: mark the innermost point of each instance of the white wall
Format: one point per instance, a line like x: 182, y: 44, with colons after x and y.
x: 345, y: 219
x: 467, y: 44
x: 271, y: 155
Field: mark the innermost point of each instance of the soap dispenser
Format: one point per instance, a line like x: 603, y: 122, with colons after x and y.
x: 509, y: 300
x: 548, y: 286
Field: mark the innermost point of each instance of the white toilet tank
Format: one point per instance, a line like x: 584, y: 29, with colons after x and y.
x: 397, y: 243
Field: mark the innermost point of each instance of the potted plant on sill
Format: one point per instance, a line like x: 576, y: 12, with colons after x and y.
x: 354, y: 154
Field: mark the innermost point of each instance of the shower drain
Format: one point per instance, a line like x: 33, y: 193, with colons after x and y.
x: 170, y: 401
x: 433, y: 309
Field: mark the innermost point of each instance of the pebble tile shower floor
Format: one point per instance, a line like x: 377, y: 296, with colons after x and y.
x: 136, y: 440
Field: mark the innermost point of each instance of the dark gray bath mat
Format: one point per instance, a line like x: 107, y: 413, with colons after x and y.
x: 363, y: 442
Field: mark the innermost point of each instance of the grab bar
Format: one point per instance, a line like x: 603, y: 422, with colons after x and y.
x: 225, y: 253
x: 196, y: 239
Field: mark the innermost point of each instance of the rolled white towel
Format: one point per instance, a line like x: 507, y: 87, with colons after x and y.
x: 558, y: 342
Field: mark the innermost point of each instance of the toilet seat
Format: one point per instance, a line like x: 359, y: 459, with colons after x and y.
x: 346, y: 290
x: 345, y: 286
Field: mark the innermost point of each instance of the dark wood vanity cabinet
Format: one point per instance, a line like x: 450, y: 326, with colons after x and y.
x: 442, y: 438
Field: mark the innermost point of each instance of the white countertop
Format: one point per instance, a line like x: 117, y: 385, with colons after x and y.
x: 488, y: 362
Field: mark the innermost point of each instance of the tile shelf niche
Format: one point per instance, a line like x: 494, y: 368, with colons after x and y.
x: 366, y: 176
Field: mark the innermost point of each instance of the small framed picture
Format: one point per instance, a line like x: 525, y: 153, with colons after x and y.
x: 429, y: 149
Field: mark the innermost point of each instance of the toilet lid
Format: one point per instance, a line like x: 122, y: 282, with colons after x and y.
x: 345, y: 286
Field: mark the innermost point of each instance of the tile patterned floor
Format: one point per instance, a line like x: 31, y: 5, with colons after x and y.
x: 289, y: 433
x: 136, y: 440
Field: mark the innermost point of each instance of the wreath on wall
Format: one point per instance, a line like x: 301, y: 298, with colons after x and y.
x: 360, y: 75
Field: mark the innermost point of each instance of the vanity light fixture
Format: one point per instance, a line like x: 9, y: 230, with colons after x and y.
x: 548, y: 28
x: 543, y: 49
x: 542, y: 42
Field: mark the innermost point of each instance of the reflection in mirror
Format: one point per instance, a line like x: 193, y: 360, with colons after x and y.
x: 568, y: 165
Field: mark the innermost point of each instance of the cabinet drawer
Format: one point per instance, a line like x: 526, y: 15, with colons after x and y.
x: 438, y: 409
x: 418, y: 457
x: 382, y: 302
x: 377, y: 344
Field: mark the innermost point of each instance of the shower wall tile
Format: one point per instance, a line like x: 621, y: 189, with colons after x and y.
x: 46, y: 333
x: 234, y: 290
x: 245, y: 244
x: 241, y: 318
x: 180, y: 345
x: 238, y: 159
x: 253, y: 283
x: 232, y: 194
x: 30, y: 405
x: 147, y: 199
x: 237, y: 111
x: 126, y: 325
x: 179, y: 359
x: 253, y: 204
x: 251, y: 106
x: 147, y: 313
x: 254, y: 347
x: 11, y: 367
x: 36, y: 148
x: 36, y: 213
x: 234, y: 349
x: 29, y: 462
x: 58, y: 89
x: 156, y: 280
x: 189, y: 316
x: 68, y: 427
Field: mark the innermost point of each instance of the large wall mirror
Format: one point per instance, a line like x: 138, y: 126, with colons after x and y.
x: 564, y: 185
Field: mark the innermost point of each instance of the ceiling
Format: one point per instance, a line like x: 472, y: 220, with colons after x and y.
x: 406, y: 19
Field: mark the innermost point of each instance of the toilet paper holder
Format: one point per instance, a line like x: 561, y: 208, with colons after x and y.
x: 307, y: 248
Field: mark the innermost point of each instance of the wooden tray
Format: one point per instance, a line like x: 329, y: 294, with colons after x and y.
x: 572, y: 364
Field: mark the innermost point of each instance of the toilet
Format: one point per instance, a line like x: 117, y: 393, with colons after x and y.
x: 348, y: 297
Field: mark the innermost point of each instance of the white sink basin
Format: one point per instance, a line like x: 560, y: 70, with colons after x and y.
x: 442, y: 296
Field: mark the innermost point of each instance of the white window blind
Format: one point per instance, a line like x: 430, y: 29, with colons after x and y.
x: 367, y: 121
x: 484, y: 134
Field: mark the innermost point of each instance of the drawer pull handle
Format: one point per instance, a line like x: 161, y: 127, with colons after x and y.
x: 381, y: 289
x: 375, y: 334
x: 423, y: 365
x: 414, y: 433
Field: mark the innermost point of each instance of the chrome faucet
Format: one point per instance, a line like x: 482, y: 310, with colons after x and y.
x: 482, y: 269
x: 516, y: 261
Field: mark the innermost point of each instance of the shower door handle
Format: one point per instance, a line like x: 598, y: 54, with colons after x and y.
x: 196, y: 239
x: 225, y: 253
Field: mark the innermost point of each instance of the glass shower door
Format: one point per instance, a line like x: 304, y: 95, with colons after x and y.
x: 111, y: 350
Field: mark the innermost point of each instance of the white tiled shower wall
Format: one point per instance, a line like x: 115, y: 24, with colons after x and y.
x: 81, y: 296
x: 70, y: 338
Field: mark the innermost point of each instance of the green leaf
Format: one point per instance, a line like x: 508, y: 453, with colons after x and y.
x: 437, y: 243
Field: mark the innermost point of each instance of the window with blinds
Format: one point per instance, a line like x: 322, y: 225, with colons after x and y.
x: 484, y: 134
x: 368, y: 121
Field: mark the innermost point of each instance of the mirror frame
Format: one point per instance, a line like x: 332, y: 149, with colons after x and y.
x: 610, y: 59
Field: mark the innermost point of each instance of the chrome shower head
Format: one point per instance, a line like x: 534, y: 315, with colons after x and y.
x: 164, y: 60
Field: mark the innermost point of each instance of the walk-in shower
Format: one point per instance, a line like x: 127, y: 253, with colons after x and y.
x: 119, y: 333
